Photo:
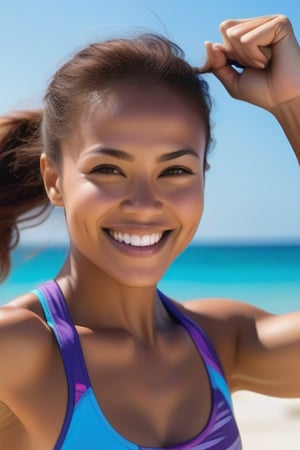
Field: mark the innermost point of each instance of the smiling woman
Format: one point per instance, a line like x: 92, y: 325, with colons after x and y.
x: 98, y: 356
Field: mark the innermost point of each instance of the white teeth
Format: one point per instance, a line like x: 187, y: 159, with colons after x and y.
x: 136, y: 240
x: 145, y: 240
x: 126, y: 238
x: 153, y: 238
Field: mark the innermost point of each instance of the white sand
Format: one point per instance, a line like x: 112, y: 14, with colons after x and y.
x: 267, y: 423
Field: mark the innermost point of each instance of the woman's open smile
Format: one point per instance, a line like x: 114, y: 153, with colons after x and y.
x: 138, y: 244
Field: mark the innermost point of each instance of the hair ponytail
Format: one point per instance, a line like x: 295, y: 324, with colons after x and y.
x: 22, y: 194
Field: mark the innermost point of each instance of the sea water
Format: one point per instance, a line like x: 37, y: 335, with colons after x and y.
x: 267, y: 276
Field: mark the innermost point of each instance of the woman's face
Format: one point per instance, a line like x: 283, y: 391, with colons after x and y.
x: 132, y: 182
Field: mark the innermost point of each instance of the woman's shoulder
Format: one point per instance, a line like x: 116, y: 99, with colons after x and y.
x: 222, y: 309
x: 25, y: 342
x: 21, y: 316
x: 223, y: 321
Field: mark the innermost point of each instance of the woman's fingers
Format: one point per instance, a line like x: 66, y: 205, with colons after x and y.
x: 215, y: 57
x: 254, y: 43
x: 245, y: 40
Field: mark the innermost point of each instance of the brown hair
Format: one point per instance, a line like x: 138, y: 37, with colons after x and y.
x: 22, y: 197
x: 24, y: 135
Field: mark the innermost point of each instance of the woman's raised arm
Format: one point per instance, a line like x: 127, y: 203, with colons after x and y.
x: 267, y: 48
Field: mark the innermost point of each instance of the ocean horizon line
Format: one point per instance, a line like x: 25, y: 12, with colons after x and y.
x: 196, y: 243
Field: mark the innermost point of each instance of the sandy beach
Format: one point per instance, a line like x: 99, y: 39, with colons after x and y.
x: 267, y: 423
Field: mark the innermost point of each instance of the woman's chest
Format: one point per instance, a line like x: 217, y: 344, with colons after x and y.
x: 152, y: 397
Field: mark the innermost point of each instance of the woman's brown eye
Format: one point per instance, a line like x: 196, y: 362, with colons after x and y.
x: 106, y: 170
x: 173, y: 171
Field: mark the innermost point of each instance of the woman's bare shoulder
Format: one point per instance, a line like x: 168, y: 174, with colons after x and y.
x: 214, y: 315
x: 28, y: 353
x: 25, y: 343
x: 21, y: 316
x: 222, y: 320
x: 222, y: 309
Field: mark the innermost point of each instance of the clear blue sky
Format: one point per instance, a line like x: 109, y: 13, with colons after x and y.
x: 253, y: 187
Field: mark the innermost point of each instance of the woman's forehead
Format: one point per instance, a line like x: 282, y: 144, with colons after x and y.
x: 134, y: 108
x: 137, y: 98
x: 130, y: 115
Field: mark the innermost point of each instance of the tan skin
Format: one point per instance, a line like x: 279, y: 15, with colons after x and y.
x: 131, y: 346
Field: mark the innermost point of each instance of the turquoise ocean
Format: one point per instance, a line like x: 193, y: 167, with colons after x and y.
x: 264, y: 275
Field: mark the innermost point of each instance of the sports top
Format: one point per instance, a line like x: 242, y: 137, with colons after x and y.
x: 86, y: 427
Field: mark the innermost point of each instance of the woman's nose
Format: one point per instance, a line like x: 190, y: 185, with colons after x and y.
x: 142, y: 200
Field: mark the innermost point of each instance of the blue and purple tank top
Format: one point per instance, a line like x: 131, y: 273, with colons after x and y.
x: 85, y: 426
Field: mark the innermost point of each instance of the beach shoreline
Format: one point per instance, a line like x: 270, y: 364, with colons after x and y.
x: 267, y: 423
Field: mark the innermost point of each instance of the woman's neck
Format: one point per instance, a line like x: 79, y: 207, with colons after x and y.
x: 98, y: 302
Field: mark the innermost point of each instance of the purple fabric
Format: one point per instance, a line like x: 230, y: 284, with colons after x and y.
x: 201, y: 341
x: 70, y: 349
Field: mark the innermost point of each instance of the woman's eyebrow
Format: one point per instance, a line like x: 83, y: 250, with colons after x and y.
x: 121, y: 154
x: 177, y: 154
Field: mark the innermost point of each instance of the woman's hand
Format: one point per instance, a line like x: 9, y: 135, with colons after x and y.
x: 267, y: 48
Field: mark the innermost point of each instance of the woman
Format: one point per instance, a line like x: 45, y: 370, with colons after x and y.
x: 98, y: 358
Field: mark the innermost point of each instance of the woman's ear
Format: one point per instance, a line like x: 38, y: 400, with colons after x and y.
x: 52, y: 181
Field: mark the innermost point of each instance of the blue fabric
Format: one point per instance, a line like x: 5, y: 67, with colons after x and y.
x: 88, y: 417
